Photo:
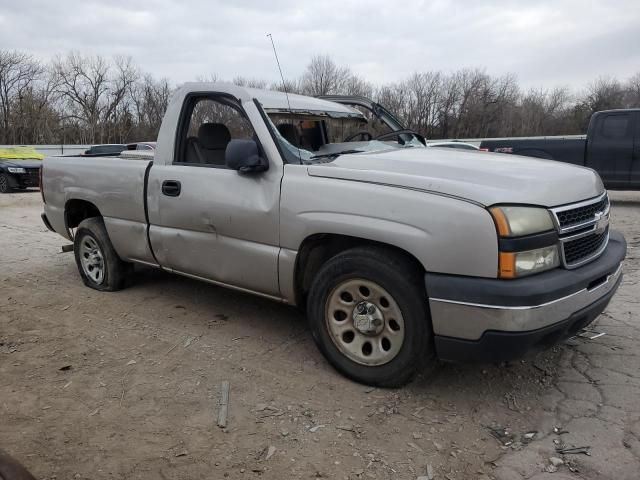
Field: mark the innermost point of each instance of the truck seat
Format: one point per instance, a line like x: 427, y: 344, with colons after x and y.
x: 210, y: 145
x: 290, y: 133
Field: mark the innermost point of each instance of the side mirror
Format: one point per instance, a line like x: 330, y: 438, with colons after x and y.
x: 244, y: 156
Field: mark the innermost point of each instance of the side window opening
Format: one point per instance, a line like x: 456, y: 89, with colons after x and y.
x: 212, y: 123
x: 615, y: 127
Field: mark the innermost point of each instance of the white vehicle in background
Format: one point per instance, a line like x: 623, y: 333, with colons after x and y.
x: 453, y: 144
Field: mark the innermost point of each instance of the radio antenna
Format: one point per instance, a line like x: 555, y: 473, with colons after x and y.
x: 284, y: 87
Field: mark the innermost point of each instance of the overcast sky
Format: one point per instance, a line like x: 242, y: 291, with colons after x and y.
x: 544, y: 42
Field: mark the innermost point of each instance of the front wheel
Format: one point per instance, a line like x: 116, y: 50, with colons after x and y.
x: 368, y: 314
x: 5, y: 186
x: 98, y: 263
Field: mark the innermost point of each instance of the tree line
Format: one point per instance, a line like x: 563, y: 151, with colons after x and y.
x: 78, y: 99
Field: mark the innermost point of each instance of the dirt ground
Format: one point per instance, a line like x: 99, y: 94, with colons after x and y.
x: 126, y: 385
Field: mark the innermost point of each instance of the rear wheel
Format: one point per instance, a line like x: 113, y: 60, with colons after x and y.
x: 4, y: 183
x: 98, y: 263
x: 368, y: 314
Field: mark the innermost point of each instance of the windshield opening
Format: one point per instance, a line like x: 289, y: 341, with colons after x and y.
x: 310, y: 136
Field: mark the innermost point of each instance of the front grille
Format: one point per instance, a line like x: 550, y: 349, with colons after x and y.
x: 576, y: 216
x: 583, y: 229
x: 31, y: 178
x: 583, y: 248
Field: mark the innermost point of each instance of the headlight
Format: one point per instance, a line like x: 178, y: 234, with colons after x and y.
x: 16, y: 170
x: 519, y: 264
x: 516, y: 227
x: 512, y: 221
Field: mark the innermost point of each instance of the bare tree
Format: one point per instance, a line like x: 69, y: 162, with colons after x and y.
x: 249, y: 82
x: 149, y: 99
x: 94, y: 89
x: 356, y: 85
x: 18, y: 71
x: 83, y: 99
x: 632, y: 99
x: 604, y: 93
x: 323, y: 77
x: 289, y: 86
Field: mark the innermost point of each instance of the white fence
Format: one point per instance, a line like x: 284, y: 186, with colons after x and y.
x: 52, y: 150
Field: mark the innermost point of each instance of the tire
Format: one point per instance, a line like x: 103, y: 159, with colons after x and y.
x: 5, y: 186
x: 384, y: 274
x: 98, y: 263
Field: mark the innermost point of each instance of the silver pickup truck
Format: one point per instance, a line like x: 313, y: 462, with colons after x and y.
x: 399, y: 253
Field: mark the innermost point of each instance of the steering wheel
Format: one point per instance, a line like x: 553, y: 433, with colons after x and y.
x: 362, y: 134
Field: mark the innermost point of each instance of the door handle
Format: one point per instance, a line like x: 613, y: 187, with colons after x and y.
x: 171, y: 188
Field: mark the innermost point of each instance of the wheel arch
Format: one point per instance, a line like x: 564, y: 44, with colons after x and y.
x: 317, y: 248
x: 76, y: 210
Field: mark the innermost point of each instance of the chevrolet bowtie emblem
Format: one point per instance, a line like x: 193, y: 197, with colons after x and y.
x: 602, y: 222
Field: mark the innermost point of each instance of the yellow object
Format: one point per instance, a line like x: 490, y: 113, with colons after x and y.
x: 507, y: 265
x: 20, y: 153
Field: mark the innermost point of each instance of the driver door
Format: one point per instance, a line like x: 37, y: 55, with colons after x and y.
x: 207, y: 220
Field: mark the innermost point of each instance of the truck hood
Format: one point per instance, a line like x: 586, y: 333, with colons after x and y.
x: 21, y: 163
x: 480, y: 177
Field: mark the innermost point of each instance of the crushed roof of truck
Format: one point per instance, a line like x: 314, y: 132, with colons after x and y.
x: 275, y: 101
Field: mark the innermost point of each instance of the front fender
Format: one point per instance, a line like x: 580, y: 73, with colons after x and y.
x: 446, y: 235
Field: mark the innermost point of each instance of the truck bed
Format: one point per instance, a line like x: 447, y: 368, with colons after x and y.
x: 564, y: 149
x: 115, y: 185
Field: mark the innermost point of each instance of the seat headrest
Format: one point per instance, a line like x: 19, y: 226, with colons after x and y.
x: 290, y: 133
x: 213, y: 136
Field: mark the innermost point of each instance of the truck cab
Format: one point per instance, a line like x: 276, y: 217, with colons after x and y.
x: 613, y: 147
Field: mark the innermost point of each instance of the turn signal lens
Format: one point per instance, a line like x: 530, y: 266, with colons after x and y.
x: 502, y: 224
x: 507, y: 265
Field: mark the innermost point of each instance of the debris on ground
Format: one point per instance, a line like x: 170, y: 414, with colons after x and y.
x: 512, y: 404
x: 590, y: 334
x: 415, y: 447
x: 574, y: 450
x: 224, y: 404
x: 270, y: 451
x: 430, y: 473
x: 555, y: 461
x: 502, y: 434
x: 265, y: 411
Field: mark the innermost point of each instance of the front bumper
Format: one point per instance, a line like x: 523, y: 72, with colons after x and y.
x: 479, y: 319
x: 24, y: 180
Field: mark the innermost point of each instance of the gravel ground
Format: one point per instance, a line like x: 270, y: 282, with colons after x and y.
x: 126, y: 385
